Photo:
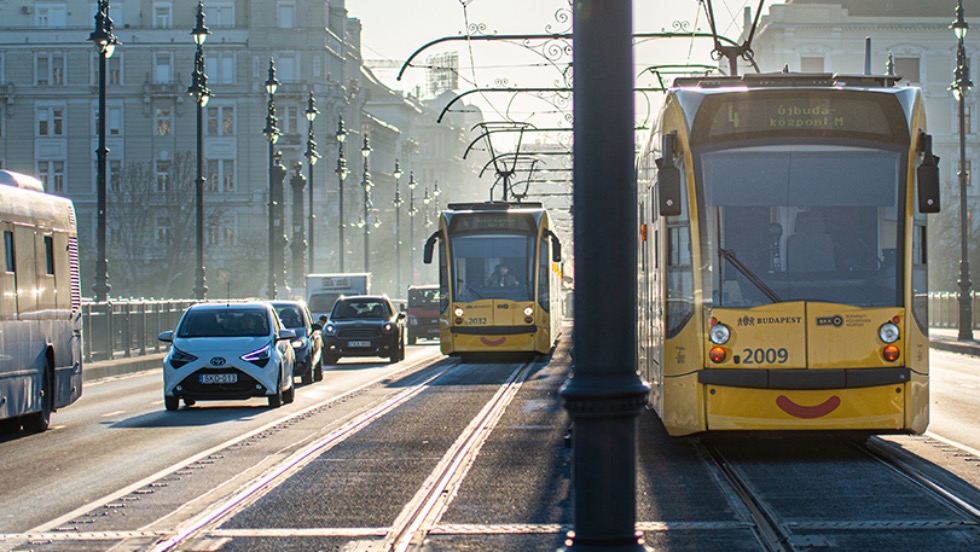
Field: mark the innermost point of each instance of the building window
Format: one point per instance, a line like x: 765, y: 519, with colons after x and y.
x: 113, y: 120
x: 50, y: 121
x: 811, y: 64
x: 287, y: 68
x: 52, y: 173
x: 164, y: 233
x: 221, y: 14
x: 286, y: 14
x: 221, y: 120
x: 221, y: 175
x: 50, y: 69
x: 163, y: 15
x: 220, y: 66
x: 115, y: 175
x: 163, y: 121
x: 163, y: 68
x: 53, y: 15
x: 163, y: 175
x: 908, y: 68
x: 289, y: 120
x: 221, y: 231
x: 113, y: 67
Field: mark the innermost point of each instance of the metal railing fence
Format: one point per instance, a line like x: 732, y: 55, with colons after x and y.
x: 127, y: 328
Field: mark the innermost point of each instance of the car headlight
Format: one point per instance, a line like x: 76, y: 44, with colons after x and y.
x: 179, y: 358
x: 258, y: 357
x: 330, y: 330
x: 388, y: 327
x: 889, y: 332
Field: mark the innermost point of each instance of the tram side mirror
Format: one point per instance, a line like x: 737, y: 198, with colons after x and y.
x: 927, y: 177
x: 430, y: 245
x: 669, y: 190
x: 555, y: 248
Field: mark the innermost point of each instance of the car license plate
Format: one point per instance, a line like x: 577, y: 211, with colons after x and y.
x: 358, y: 343
x: 219, y: 378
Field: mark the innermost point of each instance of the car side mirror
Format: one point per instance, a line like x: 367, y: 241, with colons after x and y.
x: 167, y: 336
x: 401, y: 315
x: 316, y: 327
x: 287, y: 334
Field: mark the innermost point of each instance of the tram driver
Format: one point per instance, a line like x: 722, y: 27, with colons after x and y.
x: 501, y: 277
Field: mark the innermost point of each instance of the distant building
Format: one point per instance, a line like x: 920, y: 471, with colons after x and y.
x: 49, y: 82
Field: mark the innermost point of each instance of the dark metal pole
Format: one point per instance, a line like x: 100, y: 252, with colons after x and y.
x: 398, y: 226
x: 366, y: 183
x: 272, y: 134
x: 311, y: 157
x: 105, y: 43
x: 199, y: 90
x: 298, y: 181
x: 604, y: 396
x: 341, y: 175
x: 279, y: 195
x: 961, y: 88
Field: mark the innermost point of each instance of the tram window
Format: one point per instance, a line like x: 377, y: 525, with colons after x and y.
x: 49, y: 254
x: 544, y: 274
x: 476, y: 257
x: 8, y: 246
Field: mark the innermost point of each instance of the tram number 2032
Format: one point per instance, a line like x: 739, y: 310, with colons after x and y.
x: 475, y: 322
x: 764, y: 356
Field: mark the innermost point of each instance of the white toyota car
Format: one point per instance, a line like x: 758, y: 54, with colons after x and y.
x: 224, y: 351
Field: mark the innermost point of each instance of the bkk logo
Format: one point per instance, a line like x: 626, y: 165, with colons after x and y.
x: 835, y: 320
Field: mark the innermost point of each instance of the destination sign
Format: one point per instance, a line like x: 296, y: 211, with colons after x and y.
x: 503, y: 221
x: 743, y: 115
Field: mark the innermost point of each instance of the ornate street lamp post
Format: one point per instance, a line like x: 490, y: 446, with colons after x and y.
x: 398, y: 225
x: 298, y: 181
x: 311, y: 157
x: 199, y: 90
x: 272, y: 133
x: 961, y: 88
x: 366, y: 184
x: 342, y: 173
x: 426, y: 200
x: 105, y: 44
x: 412, y: 211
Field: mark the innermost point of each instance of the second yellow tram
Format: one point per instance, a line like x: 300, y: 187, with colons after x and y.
x: 499, y: 277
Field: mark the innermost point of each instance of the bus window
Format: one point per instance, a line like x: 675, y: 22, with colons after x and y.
x: 8, y: 247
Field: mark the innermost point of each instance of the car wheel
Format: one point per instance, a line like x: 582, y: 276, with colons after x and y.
x: 307, y: 377
x: 412, y: 338
x: 189, y: 402
x: 330, y: 359
x: 318, y: 370
x: 275, y: 401
x: 401, y: 350
x: 289, y: 395
x: 171, y: 403
x: 39, y: 421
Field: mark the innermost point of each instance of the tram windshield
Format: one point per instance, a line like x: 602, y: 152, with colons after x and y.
x: 811, y: 223
x: 492, y: 266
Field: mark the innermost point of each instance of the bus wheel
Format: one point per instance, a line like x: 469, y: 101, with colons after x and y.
x: 39, y: 421
x: 171, y: 403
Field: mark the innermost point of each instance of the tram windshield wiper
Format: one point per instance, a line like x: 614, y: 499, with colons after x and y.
x: 729, y: 255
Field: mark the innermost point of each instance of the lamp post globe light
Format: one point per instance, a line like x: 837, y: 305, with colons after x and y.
x: 105, y: 44
x: 366, y: 184
x: 311, y: 157
x: 397, y: 173
x: 201, y: 94
x: 342, y: 173
x: 961, y: 89
x: 272, y: 133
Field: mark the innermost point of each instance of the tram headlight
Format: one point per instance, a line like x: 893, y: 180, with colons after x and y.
x: 717, y: 354
x: 719, y: 334
x: 889, y: 332
x: 891, y: 353
x: 528, y: 310
x: 458, y: 311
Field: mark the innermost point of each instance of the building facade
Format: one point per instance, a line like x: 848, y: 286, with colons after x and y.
x: 49, y: 84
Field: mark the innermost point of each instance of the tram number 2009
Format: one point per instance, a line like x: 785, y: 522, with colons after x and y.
x: 765, y: 356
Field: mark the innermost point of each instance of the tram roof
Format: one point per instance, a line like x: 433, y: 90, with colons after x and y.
x: 790, y: 80
x: 494, y: 206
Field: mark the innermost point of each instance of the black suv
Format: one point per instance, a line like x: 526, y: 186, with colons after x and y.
x: 364, y: 325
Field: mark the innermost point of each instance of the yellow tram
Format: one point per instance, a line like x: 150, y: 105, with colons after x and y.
x: 782, y: 256
x: 499, y: 278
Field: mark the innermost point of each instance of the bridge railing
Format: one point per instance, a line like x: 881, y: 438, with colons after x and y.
x: 944, y: 309
x: 127, y: 328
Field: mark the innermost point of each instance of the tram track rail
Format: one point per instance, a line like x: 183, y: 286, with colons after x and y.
x: 53, y: 531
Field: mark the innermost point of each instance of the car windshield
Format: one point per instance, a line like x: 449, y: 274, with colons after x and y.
x: 423, y: 297
x: 360, y: 309
x: 290, y: 315
x: 224, y: 323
